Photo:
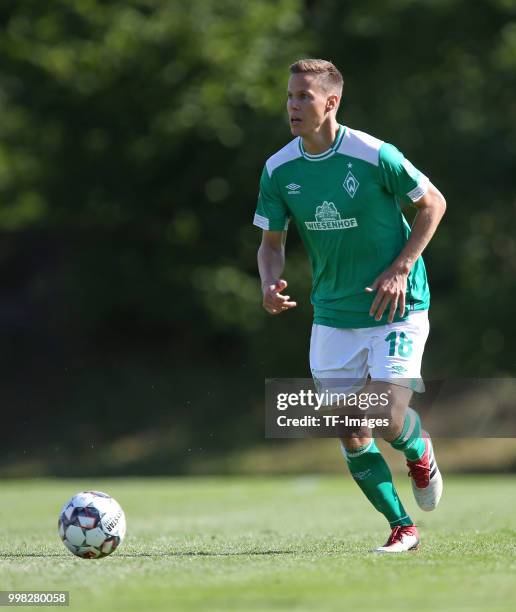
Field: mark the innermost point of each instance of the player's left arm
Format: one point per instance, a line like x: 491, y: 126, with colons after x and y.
x: 391, y: 285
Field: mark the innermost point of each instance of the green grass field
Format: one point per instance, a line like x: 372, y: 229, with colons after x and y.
x: 266, y: 544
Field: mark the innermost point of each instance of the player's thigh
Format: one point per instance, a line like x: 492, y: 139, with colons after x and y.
x: 397, y: 351
x: 338, y: 361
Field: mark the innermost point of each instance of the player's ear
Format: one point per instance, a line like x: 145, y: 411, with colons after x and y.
x: 332, y: 102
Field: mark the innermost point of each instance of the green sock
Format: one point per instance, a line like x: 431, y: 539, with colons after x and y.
x: 410, y: 441
x: 373, y: 476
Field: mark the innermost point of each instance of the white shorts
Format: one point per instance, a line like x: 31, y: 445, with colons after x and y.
x: 391, y: 352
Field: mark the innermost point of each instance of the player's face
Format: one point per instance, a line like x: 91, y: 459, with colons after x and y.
x: 307, y: 104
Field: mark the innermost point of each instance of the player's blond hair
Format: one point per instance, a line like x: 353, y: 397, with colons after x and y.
x: 328, y: 74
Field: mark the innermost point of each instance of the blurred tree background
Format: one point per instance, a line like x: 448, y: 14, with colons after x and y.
x: 133, y: 134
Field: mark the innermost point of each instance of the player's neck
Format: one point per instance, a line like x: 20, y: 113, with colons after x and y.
x: 321, y: 140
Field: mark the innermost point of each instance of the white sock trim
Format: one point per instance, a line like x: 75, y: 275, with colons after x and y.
x: 398, y: 520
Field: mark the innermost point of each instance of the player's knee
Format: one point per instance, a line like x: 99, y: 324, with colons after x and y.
x: 398, y: 401
x: 354, y: 443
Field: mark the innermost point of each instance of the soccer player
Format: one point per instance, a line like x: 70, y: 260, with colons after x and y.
x: 344, y: 189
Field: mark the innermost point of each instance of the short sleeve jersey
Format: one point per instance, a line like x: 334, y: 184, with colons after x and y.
x: 345, y: 203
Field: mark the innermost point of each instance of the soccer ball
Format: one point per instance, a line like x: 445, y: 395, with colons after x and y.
x: 91, y: 524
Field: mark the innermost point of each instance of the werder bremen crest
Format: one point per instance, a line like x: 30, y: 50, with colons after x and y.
x: 327, y: 217
x: 351, y: 184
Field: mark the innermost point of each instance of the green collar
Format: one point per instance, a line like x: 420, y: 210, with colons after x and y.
x: 325, y: 154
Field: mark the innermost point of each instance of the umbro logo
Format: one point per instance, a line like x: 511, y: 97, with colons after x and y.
x: 293, y: 188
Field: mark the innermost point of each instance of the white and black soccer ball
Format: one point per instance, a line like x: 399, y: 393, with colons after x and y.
x: 92, y: 524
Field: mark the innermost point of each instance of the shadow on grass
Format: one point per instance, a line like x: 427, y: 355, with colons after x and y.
x: 6, y: 555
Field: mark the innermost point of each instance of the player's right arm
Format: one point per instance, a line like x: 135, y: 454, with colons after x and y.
x: 272, y: 217
x: 271, y: 262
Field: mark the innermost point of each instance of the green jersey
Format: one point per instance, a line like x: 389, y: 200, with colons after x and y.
x: 345, y: 203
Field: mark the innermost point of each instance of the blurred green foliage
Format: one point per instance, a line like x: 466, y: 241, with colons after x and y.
x: 132, y: 138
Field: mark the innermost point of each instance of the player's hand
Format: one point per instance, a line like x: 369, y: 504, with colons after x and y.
x: 391, y: 288
x: 273, y: 301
